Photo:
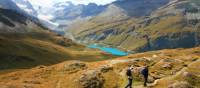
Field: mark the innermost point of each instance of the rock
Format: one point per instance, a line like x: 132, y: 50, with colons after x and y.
x: 195, y: 59
x: 41, y: 67
x: 32, y: 82
x: 180, y: 85
x: 187, y: 75
x: 28, y: 86
x: 191, y: 78
x: 168, y: 60
x: 91, y: 79
x: 12, y: 85
x: 15, y: 78
x: 154, y: 56
x: 167, y: 66
x: 151, y: 79
x: 148, y: 58
x: 105, y: 68
x: 74, y: 66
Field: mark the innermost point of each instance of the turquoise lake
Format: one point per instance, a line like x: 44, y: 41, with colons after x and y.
x: 113, y: 51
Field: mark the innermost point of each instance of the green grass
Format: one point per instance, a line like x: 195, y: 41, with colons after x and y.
x: 28, y: 50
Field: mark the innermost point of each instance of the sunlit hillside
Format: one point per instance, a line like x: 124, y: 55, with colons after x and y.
x: 99, y: 43
x: 168, y: 69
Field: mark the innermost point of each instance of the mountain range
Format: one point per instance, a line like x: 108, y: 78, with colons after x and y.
x: 25, y: 42
x: 62, y: 13
x: 142, y: 25
x: 42, y: 48
x: 66, y: 13
x: 26, y: 6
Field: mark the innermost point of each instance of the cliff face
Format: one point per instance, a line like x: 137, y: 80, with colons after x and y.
x: 142, y: 25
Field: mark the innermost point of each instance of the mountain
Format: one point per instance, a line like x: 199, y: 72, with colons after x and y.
x: 138, y: 8
x: 61, y: 14
x: 8, y: 4
x: 66, y: 12
x: 35, y: 13
x: 14, y: 19
x: 142, y: 25
x: 32, y: 56
x: 26, y: 43
x: 26, y: 6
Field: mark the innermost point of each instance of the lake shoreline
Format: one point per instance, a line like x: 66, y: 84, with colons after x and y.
x: 110, y: 50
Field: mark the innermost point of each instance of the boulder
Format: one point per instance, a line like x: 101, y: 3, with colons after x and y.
x: 167, y: 66
x: 74, y: 66
x: 151, y: 79
x: 105, y: 68
x: 91, y: 79
x: 187, y: 75
x: 41, y: 67
x: 180, y: 85
x: 191, y: 78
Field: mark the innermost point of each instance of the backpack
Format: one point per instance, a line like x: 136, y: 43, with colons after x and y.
x: 128, y: 72
x: 144, y: 72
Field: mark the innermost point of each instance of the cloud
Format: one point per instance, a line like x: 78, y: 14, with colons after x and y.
x: 45, y: 7
x: 45, y: 17
x: 43, y: 3
x: 99, y: 2
x: 49, y: 3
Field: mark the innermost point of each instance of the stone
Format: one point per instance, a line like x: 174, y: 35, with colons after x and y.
x: 167, y: 66
x: 32, y: 82
x: 91, y: 79
x: 180, y: 85
x: 74, y: 66
x: 168, y: 60
x: 154, y: 56
x: 151, y: 79
x: 187, y: 75
x: 105, y: 68
x: 41, y: 67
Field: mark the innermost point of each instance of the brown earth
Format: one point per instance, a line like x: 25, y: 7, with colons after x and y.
x: 170, y: 68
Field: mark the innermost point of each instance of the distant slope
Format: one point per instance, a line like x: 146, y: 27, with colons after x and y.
x: 26, y: 6
x: 14, y: 21
x: 66, y: 13
x: 8, y: 4
x: 25, y: 43
x: 143, y: 25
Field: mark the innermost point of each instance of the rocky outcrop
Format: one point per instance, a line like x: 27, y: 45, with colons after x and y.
x: 74, y: 66
x: 170, y: 41
x: 91, y: 79
x: 180, y: 85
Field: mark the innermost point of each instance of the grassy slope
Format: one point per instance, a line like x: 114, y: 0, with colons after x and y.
x: 58, y: 76
x: 167, y: 22
x: 41, y: 48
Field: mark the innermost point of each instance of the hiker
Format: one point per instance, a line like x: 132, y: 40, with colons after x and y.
x: 145, y: 73
x: 130, y: 78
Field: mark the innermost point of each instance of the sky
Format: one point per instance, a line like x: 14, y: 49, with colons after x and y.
x: 46, y: 6
x: 49, y: 3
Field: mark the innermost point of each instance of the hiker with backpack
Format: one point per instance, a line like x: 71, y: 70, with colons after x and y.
x: 145, y: 73
x: 129, y: 76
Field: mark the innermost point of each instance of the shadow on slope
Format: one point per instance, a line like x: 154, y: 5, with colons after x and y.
x: 18, y: 51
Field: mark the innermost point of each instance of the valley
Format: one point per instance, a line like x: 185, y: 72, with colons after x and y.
x: 91, y: 44
x: 113, y: 51
x: 131, y: 32
x: 25, y: 43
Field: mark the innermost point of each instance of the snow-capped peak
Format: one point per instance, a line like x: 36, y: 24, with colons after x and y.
x: 26, y: 6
